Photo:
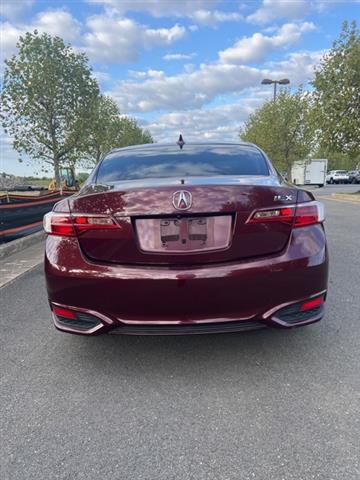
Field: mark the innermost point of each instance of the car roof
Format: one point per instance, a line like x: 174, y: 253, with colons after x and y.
x: 166, y: 147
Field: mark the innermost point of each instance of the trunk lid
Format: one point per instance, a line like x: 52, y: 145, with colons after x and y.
x: 213, y: 229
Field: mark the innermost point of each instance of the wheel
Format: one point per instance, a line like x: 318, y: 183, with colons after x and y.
x: 320, y: 185
x: 331, y: 181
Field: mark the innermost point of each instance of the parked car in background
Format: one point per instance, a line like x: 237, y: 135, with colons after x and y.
x: 354, y: 176
x: 337, y: 176
x: 205, y: 238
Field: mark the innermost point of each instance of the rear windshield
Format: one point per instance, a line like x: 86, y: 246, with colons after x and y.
x: 167, y: 162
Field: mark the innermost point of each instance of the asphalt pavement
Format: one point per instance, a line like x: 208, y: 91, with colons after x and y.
x: 263, y: 405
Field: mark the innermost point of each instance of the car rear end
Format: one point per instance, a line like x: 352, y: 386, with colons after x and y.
x: 199, y: 240
x: 341, y: 176
x: 354, y: 176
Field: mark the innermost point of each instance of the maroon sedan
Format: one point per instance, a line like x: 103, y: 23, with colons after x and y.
x: 199, y: 239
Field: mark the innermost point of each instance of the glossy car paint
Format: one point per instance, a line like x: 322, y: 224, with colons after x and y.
x: 264, y: 268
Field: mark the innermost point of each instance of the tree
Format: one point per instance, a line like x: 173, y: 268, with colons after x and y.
x: 282, y: 129
x: 102, y: 131
x: 338, y: 160
x: 132, y: 134
x: 47, y: 96
x: 108, y: 130
x: 82, y: 177
x: 337, y: 93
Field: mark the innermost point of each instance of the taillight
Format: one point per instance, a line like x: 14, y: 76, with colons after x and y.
x: 89, y: 222
x: 285, y: 215
x: 58, y: 224
x: 69, y: 225
x: 296, y: 215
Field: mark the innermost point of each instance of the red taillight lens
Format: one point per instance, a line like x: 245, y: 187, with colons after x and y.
x: 64, y: 312
x: 307, y: 215
x: 83, y: 222
x: 276, y: 215
x: 309, y: 305
x: 68, y: 225
x: 297, y: 215
x: 58, y: 224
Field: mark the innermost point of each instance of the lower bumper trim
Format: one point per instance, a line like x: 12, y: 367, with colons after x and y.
x: 184, y: 329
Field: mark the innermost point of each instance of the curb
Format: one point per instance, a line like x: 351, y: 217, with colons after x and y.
x: 21, y: 243
x: 345, y: 197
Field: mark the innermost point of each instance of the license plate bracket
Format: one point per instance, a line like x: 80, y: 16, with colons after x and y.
x: 184, y: 234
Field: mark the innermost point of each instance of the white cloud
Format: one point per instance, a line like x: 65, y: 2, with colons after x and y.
x: 55, y: 22
x: 110, y: 39
x: 212, y: 17
x: 256, y: 47
x: 179, y: 56
x: 114, y: 39
x: 8, y: 38
x: 12, y: 9
x: 151, y: 73
x: 197, y: 88
x: 155, y: 73
x: 164, y: 36
x: 185, y: 90
x: 201, y: 11
x: 298, y: 66
x: 158, y: 8
x: 274, y: 9
x: 136, y: 74
x: 220, y: 123
x: 58, y: 22
x: 102, y: 76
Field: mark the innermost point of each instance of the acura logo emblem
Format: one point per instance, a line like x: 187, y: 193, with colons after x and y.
x: 182, y: 200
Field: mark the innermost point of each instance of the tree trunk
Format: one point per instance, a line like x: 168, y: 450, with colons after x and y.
x: 289, y: 173
x: 288, y: 164
x: 57, y: 173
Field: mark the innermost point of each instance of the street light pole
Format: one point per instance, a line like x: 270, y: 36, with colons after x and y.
x: 267, y: 81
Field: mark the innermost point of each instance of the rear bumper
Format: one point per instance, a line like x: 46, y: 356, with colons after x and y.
x: 212, y: 299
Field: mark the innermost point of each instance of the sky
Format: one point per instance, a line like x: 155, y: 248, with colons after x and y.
x: 189, y: 66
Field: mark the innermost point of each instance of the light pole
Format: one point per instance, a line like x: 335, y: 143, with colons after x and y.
x: 267, y: 81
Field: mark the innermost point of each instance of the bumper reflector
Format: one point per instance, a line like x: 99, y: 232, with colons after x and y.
x: 75, y: 320
x: 316, y: 302
x: 301, y: 312
x: 64, y: 312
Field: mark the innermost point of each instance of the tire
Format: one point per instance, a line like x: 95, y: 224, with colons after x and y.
x: 320, y: 185
x: 331, y: 181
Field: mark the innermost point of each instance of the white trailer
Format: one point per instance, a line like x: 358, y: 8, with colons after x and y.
x: 309, y: 172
